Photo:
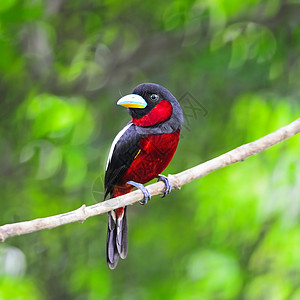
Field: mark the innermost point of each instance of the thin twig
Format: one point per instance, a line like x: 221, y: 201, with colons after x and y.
x: 176, y: 181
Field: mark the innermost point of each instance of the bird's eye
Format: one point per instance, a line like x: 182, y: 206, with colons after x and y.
x: 154, y: 97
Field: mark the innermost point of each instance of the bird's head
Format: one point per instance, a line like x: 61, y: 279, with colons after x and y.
x: 151, y: 104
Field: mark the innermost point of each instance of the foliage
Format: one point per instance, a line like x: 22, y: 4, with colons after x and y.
x: 234, y: 67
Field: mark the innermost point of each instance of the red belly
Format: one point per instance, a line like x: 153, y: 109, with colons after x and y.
x: 156, y: 153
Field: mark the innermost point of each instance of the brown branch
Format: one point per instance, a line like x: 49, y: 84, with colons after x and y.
x: 176, y: 181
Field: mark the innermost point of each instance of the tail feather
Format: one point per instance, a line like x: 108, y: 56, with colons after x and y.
x: 117, y: 238
x: 124, y: 243
x: 112, y: 256
x: 111, y: 220
x: 119, y: 234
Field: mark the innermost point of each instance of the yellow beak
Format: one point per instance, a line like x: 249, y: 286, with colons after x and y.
x: 132, y: 101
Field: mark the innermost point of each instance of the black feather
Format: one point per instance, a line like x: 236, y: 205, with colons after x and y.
x: 116, y: 244
x: 112, y: 256
x: 123, y: 155
x: 111, y: 222
x: 124, y: 242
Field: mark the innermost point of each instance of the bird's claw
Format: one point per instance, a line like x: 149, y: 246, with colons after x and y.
x: 143, y: 189
x: 167, y: 183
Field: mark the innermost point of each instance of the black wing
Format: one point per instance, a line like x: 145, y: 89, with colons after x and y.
x: 124, y: 148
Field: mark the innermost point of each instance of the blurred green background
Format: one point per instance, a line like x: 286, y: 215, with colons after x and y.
x: 235, y: 68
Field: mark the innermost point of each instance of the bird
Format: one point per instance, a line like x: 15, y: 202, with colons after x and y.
x: 138, y: 154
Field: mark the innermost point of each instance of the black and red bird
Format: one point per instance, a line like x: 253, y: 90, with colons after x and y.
x: 139, y: 153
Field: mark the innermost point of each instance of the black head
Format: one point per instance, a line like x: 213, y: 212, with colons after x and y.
x: 150, y: 95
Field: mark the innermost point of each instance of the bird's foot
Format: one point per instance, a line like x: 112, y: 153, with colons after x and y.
x: 143, y: 189
x: 167, y: 183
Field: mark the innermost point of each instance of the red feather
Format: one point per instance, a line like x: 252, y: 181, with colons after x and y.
x: 159, y: 113
x: 156, y: 153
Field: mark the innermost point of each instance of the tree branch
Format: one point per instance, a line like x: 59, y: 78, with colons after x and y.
x: 176, y: 181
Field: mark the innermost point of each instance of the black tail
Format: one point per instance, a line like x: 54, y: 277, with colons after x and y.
x: 117, y: 239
